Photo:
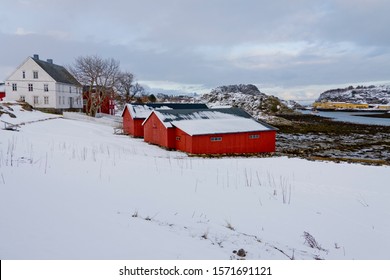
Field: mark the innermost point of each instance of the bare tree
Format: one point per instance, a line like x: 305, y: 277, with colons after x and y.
x: 99, y: 76
x: 125, y: 85
x: 137, y: 90
x: 127, y: 91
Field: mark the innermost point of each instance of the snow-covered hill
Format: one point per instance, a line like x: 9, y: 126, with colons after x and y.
x: 370, y: 95
x: 74, y: 190
x: 248, y: 97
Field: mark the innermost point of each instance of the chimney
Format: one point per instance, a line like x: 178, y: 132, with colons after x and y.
x: 36, y: 56
x: 49, y: 60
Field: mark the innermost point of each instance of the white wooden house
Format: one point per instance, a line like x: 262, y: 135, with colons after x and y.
x: 45, y: 85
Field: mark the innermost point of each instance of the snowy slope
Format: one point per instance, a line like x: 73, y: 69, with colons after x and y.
x: 14, y: 113
x: 73, y: 190
x: 248, y: 97
x: 369, y: 95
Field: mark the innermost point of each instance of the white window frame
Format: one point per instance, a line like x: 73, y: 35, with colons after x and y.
x: 215, y: 139
x: 45, y: 87
x: 254, y: 136
x: 46, y: 100
x: 30, y: 87
x: 35, y: 74
x: 14, y: 87
x: 36, y: 99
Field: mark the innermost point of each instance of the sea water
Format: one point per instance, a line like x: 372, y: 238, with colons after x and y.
x: 349, y: 117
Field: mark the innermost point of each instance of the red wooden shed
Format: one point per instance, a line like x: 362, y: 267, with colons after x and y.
x: 209, y: 131
x: 2, y: 91
x: 107, y: 102
x: 134, y: 114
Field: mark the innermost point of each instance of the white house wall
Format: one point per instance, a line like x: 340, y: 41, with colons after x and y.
x: 65, y: 92
x: 55, y: 90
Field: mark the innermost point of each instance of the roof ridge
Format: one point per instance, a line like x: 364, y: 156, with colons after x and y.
x: 58, y: 72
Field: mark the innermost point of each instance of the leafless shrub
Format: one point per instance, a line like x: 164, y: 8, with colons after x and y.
x: 229, y: 225
x: 311, y: 241
x: 286, y: 190
x: 135, y: 214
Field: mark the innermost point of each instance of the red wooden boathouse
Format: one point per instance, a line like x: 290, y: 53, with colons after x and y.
x: 209, y: 131
x: 135, y: 114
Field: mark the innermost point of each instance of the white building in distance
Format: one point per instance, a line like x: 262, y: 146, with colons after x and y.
x: 44, y: 85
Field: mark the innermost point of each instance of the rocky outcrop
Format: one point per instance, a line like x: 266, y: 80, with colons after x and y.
x: 368, y: 95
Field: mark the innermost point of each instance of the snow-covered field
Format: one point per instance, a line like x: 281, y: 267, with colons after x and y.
x: 74, y: 190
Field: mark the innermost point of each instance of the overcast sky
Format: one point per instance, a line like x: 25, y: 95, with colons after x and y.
x: 294, y: 49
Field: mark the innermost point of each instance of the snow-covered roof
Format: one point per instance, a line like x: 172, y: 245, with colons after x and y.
x: 211, y: 121
x: 217, y: 126
x: 142, y: 111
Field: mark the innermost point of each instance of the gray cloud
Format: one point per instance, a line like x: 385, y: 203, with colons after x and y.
x: 209, y: 43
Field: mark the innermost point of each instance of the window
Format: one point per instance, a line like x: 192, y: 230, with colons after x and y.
x: 22, y: 98
x: 215, y: 139
x: 14, y: 87
x: 254, y: 136
x: 178, y: 138
x: 46, y: 100
x: 24, y: 74
x: 36, y: 100
x: 46, y: 87
x: 35, y: 74
x: 30, y: 87
x: 70, y: 89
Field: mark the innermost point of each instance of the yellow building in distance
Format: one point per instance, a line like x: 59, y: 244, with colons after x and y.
x: 383, y: 107
x: 339, y: 106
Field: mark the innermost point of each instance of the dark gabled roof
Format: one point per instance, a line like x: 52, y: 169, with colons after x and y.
x: 143, y: 110
x: 57, y: 72
x: 188, y: 114
x: 174, y: 117
x: 175, y: 106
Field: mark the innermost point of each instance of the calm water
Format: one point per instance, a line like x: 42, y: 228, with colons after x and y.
x: 348, y: 117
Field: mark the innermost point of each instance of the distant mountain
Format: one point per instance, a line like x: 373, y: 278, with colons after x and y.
x: 293, y: 105
x: 247, y: 97
x: 182, y: 98
x: 360, y: 94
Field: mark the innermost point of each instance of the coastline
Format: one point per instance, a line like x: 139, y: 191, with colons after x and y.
x: 315, y: 137
x: 385, y: 115
x: 353, y: 110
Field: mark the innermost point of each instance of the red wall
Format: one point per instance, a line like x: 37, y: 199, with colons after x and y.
x: 233, y: 143
x: 156, y: 133
x: 132, y: 126
x: 107, y: 107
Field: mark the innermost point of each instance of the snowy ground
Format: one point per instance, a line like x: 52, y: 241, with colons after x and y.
x: 74, y: 190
